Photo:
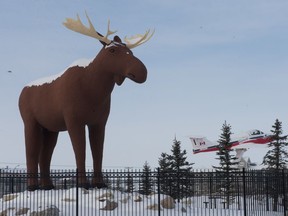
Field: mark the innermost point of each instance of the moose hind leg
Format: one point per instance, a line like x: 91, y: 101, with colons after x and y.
x: 33, y: 143
x: 96, y: 137
x: 49, y: 143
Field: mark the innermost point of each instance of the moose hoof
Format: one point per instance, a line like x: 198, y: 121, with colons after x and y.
x: 84, y: 185
x: 100, y: 185
x: 47, y: 187
x: 33, y: 187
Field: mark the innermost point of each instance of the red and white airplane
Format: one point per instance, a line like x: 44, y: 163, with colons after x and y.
x: 202, y: 144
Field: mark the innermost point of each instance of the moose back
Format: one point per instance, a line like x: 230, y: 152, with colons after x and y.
x: 76, y: 99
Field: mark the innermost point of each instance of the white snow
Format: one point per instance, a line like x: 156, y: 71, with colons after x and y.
x: 98, y: 201
x: 80, y: 62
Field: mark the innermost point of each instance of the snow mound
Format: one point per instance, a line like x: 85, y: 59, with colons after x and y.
x: 50, y: 79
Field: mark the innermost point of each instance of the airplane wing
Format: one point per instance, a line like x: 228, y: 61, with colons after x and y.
x: 257, y: 139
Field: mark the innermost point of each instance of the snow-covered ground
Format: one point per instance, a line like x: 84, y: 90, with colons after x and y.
x: 110, y: 202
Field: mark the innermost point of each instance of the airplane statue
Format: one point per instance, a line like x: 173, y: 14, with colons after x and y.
x: 202, y: 144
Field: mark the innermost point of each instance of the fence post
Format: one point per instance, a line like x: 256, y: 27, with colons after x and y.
x: 244, y: 191
x: 77, y: 190
x: 284, y: 191
x: 267, y: 193
x: 158, y: 189
x: 12, y: 184
x: 210, y: 192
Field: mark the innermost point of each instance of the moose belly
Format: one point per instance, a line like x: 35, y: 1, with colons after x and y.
x: 52, y: 122
x: 61, y: 121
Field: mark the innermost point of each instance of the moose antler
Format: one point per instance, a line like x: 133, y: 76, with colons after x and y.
x: 77, y: 26
x: 142, y: 39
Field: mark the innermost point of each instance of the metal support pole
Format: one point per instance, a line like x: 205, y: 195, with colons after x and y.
x: 158, y: 189
x: 267, y: 193
x: 77, y: 194
x: 12, y: 184
x: 244, y: 191
x: 284, y: 191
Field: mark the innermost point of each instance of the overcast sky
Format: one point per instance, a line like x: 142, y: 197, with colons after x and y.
x: 209, y: 61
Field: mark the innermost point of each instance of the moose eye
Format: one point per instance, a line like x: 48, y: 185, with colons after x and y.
x: 112, y: 50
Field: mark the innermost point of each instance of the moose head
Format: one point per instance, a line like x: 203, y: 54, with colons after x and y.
x: 124, y: 63
x: 77, y: 99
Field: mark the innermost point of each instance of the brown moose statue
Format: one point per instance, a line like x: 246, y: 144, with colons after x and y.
x: 76, y: 99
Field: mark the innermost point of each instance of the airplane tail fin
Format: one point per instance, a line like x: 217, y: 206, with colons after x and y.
x: 202, y: 144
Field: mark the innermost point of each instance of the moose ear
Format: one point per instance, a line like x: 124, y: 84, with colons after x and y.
x: 117, y: 39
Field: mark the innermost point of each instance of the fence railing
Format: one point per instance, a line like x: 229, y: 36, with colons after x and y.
x: 243, y: 193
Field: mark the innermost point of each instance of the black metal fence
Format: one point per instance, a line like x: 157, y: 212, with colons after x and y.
x: 240, y: 193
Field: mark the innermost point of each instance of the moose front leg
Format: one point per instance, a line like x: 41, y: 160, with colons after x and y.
x: 96, y: 137
x: 77, y: 136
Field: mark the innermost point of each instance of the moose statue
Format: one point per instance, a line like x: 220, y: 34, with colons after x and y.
x: 77, y: 98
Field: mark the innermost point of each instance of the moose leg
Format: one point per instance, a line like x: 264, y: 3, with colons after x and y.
x: 49, y: 142
x: 33, y: 143
x: 96, y: 137
x: 77, y: 136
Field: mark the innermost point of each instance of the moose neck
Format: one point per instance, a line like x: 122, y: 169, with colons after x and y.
x: 99, y: 78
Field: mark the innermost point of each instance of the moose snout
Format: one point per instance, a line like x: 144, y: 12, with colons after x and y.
x: 139, y: 77
x: 138, y: 73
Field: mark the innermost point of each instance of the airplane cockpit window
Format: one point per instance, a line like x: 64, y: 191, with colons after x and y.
x: 256, y: 132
